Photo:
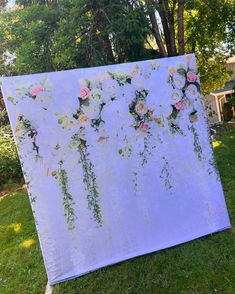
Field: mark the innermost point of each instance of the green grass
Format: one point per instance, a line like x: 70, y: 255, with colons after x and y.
x: 205, y: 265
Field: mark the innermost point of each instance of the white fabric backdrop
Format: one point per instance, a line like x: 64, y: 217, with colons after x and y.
x: 117, y: 160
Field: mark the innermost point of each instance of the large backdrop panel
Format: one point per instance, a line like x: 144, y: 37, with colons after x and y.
x: 117, y: 160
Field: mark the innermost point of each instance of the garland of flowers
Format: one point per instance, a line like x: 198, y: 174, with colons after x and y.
x: 142, y: 116
x: 88, y: 116
x: 68, y: 202
x: 186, y: 89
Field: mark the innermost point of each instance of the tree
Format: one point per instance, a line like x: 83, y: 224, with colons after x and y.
x: 48, y: 35
x: 208, y: 26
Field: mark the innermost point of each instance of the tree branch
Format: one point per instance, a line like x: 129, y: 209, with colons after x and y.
x: 155, y: 28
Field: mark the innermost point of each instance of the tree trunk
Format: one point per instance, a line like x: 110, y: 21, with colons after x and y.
x: 171, y: 22
x: 108, y: 48
x: 155, y: 28
x: 163, y: 14
x: 181, y: 26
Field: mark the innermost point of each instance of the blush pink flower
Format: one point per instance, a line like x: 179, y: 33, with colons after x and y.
x: 84, y: 93
x: 141, y: 108
x: 191, y: 77
x: 33, y: 91
x: 83, y: 119
x: 179, y: 105
x: 101, y: 139
x: 134, y: 72
x: 143, y: 127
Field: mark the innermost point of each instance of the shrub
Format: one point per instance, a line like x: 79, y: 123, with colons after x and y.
x: 10, y: 169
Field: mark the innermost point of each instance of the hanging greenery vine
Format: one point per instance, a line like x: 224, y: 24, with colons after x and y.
x: 68, y: 202
x: 89, y: 178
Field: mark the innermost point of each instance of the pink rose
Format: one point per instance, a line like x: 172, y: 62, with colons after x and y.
x: 191, y: 77
x: 33, y: 91
x: 84, y: 93
x: 141, y: 108
x: 179, y: 105
x: 143, y: 127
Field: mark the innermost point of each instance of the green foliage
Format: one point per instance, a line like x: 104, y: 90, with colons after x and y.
x: 210, y: 27
x: 212, y: 68
x: 20, y: 253
x: 56, y: 35
x: 3, y: 117
x: 10, y: 169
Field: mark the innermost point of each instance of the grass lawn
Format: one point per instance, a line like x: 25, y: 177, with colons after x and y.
x: 206, y: 265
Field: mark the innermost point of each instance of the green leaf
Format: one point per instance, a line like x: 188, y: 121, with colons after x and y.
x: 11, y: 99
x: 174, y: 113
x: 43, y: 80
x: 181, y: 71
x: 198, y: 87
x: 84, y: 102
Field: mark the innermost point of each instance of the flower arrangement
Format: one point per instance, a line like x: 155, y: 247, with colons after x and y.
x: 185, y: 91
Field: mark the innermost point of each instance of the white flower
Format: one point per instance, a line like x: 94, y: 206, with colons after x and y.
x: 92, y: 111
x: 82, y: 82
x: 137, y: 82
x: 30, y: 109
x: 179, y: 80
x: 191, y: 92
x: 128, y: 93
x: 43, y: 99
x: 110, y: 87
x: 192, y: 63
x: 176, y: 95
x: 162, y: 110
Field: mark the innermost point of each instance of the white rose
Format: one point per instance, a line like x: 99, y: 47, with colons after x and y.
x: 176, y: 96
x: 43, y: 100
x: 161, y: 110
x: 110, y: 86
x: 129, y: 93
x: 137, y: 82
x: 92, y: 111
x: 82, y: 82
x: 179, y: 80
x: 191, y: 92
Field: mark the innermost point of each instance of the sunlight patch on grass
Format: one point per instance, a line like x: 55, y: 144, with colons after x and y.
x: 27, y: 243
x: 216, y: 144
x: 16, y: 227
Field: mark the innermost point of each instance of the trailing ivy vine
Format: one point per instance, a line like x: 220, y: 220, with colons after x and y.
x: 68, y: 202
